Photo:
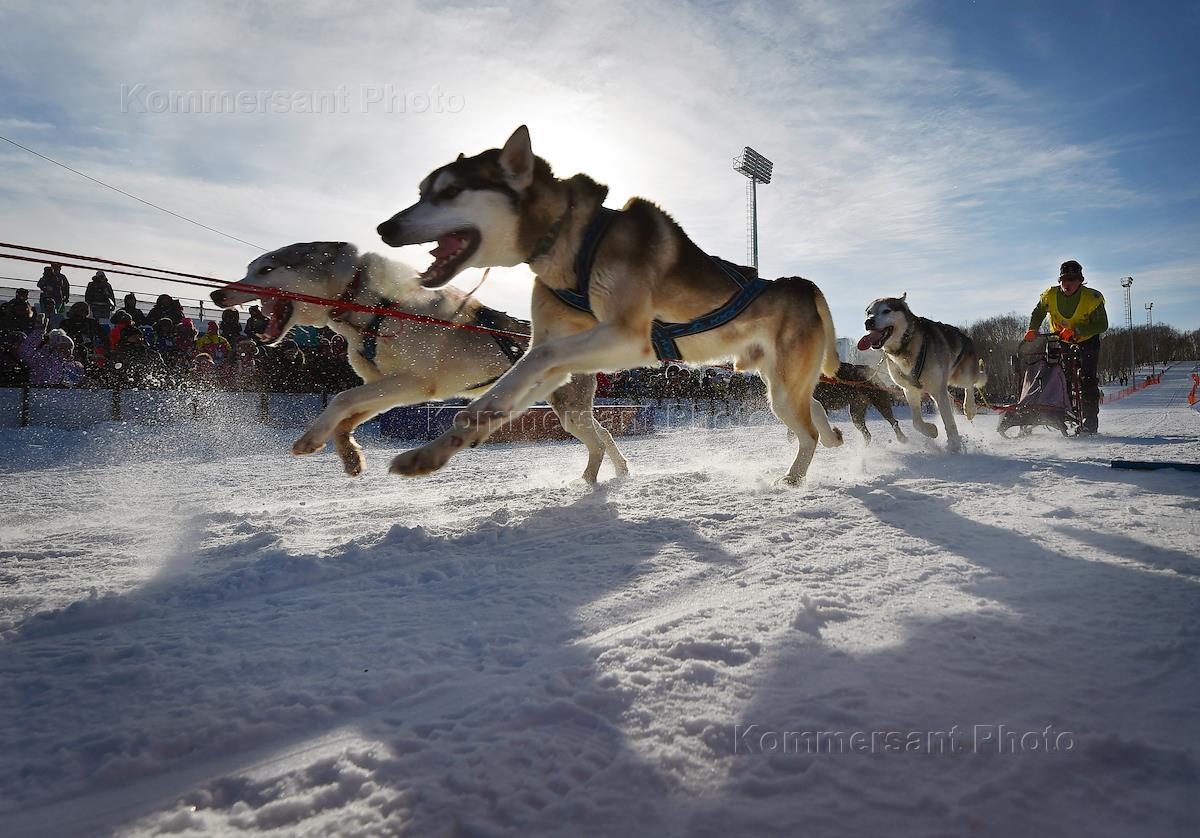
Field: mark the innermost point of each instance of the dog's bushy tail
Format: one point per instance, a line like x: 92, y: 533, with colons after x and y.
x: 831, y: 362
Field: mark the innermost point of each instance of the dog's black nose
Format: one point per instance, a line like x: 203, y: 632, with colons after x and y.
x: 386, y: 229
x: 869, y: 325
x: 218, y: 298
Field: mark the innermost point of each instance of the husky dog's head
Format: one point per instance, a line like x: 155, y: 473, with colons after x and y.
x: 318, y: 269
x: 887, y: 320
x: 477, y: 209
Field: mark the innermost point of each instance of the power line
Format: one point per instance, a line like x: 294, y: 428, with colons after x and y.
x: 128, y: 195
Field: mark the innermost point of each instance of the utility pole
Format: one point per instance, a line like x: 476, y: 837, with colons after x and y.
x: 1150, y: 329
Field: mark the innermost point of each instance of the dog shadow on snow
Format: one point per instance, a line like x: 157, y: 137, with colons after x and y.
x: 459, y: 659
x: 1048, y: 635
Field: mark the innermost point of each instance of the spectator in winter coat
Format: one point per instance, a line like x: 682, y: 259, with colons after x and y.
x: 205, y: 374
x: 286, y: 370
x: 50, y: 358
x: 83, y: 330
x: 51, y: 285
x: 100, y: 297
x: 13, y: 371
x: 231, y: 326
x: 133, y: 363
x: 245, y: 369
x: 165, y: 306
x: 331, y: 370
x: 212, y: 343
x: 131, y: 306
x: 17, y: 315
x: 256, y: 323
x: 166, y: 344
x: 185, y: 338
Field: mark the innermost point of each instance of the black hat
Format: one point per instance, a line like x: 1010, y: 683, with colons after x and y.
x: 1070, y: 268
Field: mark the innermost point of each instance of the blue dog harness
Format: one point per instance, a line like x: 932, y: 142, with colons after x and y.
x: 662, y: 335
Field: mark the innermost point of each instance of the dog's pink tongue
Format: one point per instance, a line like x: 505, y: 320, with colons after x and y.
x: 447, y: 246
x: 869, y: 338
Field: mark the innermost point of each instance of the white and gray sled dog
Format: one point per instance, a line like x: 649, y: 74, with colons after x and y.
x: 924, y: 356
x: 401, y: 361
x: 641, y: 277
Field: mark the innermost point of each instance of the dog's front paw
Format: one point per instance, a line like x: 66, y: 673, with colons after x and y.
x: 354, y: 463
x: 955, y: 446
x: 428, y: 458
x: 310, y: 443
x: 929, y: 430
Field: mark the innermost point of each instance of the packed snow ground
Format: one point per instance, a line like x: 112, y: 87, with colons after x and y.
x: 200, y: 635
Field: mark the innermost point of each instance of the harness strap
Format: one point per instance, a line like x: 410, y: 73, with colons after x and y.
x: 662, y: 335
x: 919, y: 366
x: 370, y: 335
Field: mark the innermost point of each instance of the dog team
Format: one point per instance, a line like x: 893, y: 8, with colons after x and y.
x: 613, y: 290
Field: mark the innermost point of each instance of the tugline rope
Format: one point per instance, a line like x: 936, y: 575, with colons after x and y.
x: 212, y: 282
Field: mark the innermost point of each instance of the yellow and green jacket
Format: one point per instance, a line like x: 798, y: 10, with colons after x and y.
x: 1083, y: 311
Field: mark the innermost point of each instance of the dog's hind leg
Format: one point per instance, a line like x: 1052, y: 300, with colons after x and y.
x: 858, y: 415
x: 573, y: 404
x: 791, y: 400
x: 969, y: 402
x: 883, y: 403
x: 831, y: 437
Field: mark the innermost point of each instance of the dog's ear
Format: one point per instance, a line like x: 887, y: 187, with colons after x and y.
x: 460, y: 157
x: 904, y: 296
x: 516, y: 159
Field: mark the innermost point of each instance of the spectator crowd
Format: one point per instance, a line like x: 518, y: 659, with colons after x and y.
x: 92, y: 342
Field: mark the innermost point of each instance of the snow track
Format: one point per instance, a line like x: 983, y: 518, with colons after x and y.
x: 248, y: 642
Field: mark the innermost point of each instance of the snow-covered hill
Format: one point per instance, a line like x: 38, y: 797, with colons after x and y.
x: 204, y: 635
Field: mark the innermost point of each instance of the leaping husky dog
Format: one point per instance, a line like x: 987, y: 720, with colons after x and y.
x: 611, y: 288
x: 924, y: 356
x: 402, y: 361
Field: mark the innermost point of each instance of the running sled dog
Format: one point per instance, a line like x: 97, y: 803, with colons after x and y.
x: 857, y: 388
x: 924, y: 356
x: 401, y: 361
x: 613, y: 291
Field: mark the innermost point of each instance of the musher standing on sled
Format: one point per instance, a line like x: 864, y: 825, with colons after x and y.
x: 1077, y: 315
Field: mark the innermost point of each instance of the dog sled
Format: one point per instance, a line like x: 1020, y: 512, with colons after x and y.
x: 1051, y: 392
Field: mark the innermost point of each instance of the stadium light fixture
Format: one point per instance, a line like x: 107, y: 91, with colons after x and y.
x: 757, y: 169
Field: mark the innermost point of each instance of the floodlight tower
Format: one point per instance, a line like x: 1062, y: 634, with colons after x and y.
x: 758, y: 169
x: 1150, y: 328
x: 1127, y: 284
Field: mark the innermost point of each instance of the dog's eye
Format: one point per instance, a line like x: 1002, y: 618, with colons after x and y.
x: 266, y: 269
x: 450, y: 192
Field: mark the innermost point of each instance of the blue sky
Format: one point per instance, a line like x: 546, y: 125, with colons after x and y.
x: 954, y: 150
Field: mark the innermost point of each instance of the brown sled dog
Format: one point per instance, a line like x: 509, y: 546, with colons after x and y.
x: 505, y: 206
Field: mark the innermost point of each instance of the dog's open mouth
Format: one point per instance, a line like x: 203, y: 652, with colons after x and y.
x: 279, y: 319
x: 453, y: 249
x: 874, y: 339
